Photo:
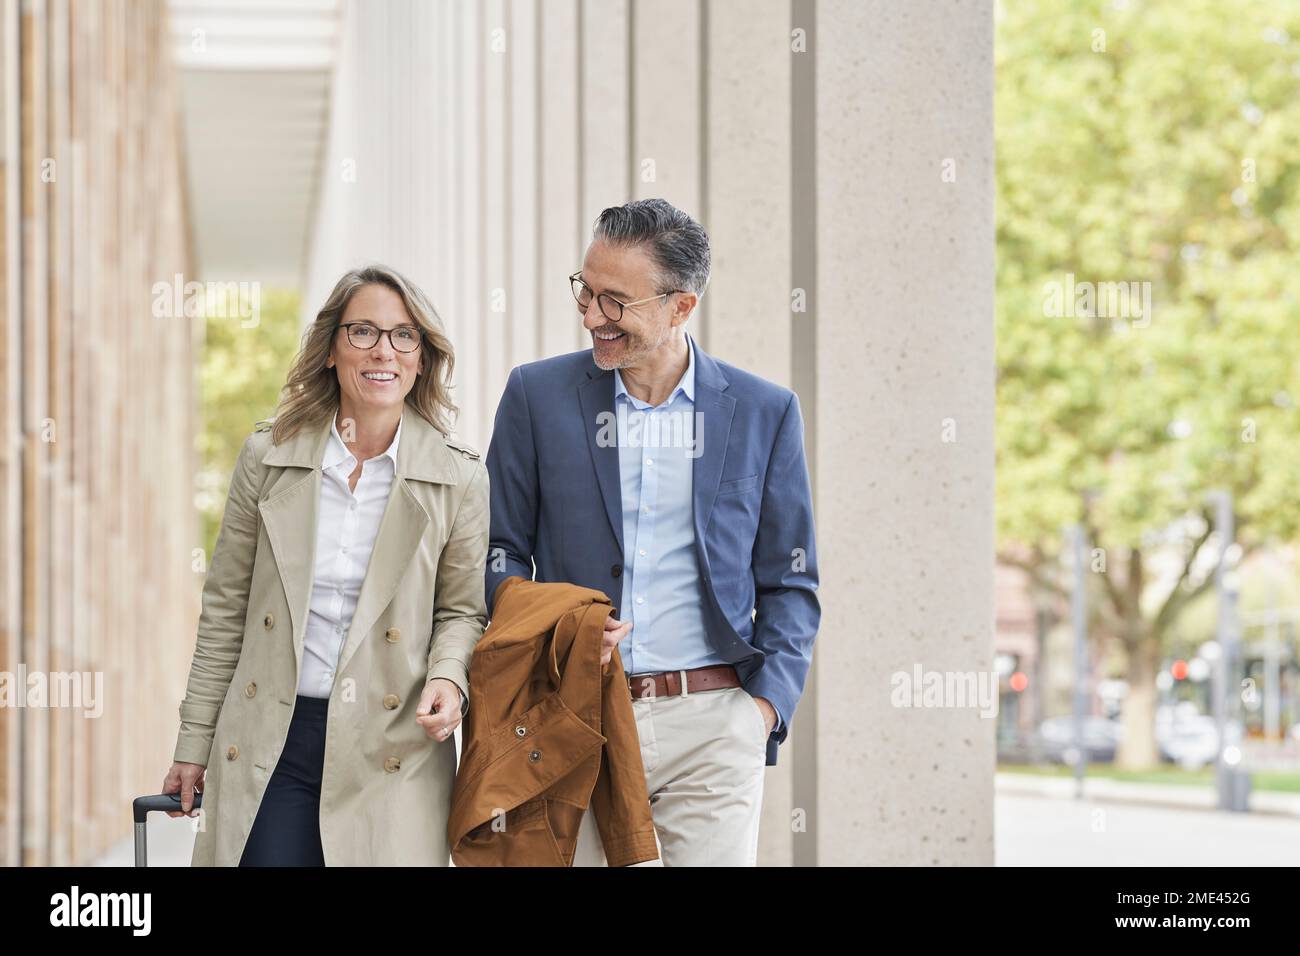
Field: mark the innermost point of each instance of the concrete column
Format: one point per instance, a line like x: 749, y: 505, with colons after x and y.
x: 469, y: 300
x: 666, y: 112
x: 523, y: 313
x: 606, y: 81
x: 563, y: 237
x: 901, y: 322
x: 495, y: 44
x: 447, y: 230
x: 746, y: 211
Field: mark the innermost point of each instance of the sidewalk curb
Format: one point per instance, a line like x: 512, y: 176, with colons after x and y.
x: 1169, y: 796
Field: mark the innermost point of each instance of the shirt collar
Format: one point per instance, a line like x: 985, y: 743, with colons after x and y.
x: 686, y: 385
x: 336, y: 451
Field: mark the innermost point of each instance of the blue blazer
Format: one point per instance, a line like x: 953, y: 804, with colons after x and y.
x: 557, y: 510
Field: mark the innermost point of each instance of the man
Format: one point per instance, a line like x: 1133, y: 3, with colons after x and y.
x: 676, y: 484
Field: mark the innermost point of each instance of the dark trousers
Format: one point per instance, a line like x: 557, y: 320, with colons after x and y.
x: 287, y: 829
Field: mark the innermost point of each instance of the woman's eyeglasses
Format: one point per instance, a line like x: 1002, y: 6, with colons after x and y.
x: 363, y: 335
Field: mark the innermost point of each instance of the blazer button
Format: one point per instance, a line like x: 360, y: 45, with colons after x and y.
x: 250, y: 690
x: 392, y: 765
x: 616, y: 570
x: 391, y: 701
x: 535, y: 756
x: 232, y: 752
x: 521, y: 731
x: 269, y: 621
x: 392, y: 635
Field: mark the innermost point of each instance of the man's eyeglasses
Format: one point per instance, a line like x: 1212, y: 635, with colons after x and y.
x: 609, y: 306
x: 363, y: 335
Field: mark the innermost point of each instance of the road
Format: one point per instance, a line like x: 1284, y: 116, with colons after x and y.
x: 1046, y: 831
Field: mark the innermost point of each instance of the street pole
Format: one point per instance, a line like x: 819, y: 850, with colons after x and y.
x: 1232, y: 783
x: 1273, y: 671
x: 1077, y: 544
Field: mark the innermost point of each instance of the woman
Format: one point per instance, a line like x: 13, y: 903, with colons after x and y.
x: 342, y: 604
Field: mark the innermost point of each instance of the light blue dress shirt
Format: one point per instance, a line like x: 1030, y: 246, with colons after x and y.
x: 661, y: 576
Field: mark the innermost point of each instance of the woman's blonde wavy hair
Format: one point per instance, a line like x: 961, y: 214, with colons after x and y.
x: 310, y: 396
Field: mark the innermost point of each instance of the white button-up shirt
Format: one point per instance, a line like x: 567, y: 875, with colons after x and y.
x: 347, y: 523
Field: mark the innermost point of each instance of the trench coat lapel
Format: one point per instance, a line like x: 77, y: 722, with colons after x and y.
x: 421, y: 457
x: 289, y: 516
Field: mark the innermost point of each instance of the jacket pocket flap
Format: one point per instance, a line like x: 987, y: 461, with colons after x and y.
x: 514, y: 766
x: 737, y: 485
x: 521, y: 837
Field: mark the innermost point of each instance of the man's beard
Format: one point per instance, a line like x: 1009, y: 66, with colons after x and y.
x: 632, y: 350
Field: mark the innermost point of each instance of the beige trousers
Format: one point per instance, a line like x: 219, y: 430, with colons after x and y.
x: 704, y: 755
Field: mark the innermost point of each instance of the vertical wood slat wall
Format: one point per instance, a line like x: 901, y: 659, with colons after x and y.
x: 97, y: 523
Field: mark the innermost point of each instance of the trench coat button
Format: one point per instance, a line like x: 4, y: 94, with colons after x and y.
x: 391, y: 701
x: 392, y: 765
x: 250, y: 690
x: 616, y: 570
x: 269, y: 621
x: 232, y: 752
x: 535, y: 756
x: 521, y: 731
x: 392, y: 635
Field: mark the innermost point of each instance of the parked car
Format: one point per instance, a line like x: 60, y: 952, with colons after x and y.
x: 1186, y: 737
x: 1191, y: 744
x: 1055, y: 741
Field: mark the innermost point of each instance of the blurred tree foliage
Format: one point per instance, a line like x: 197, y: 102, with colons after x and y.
x: 243, y: 370
x: 1147, y: 142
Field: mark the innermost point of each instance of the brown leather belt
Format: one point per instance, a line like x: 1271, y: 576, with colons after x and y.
x: 669, y: 683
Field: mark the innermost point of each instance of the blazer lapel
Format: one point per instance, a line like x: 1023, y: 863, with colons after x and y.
x: 596, y: 396
x: 717, y: 410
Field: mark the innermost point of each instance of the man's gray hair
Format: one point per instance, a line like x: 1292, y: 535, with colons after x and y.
x: 677, y: 243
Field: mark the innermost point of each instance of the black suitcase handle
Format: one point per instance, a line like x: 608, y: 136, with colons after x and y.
x: 141, y: 807
x: 160, y: 802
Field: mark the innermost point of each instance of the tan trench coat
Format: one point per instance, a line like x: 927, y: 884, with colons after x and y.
x: 386, y: 787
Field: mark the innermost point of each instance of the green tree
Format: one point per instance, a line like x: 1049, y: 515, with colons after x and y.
x: 244, y: 366
x: 1147, y: 142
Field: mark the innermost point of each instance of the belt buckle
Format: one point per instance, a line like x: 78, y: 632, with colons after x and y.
x: 635, y: 686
